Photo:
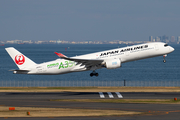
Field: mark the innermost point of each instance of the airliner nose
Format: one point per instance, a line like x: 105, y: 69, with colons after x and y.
x: 171, y: 49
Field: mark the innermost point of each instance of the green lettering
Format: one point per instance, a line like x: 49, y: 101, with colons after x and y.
x: 66, y: 64
x: 61, y: 65
x: 70, y: 63
x: 53, y: 65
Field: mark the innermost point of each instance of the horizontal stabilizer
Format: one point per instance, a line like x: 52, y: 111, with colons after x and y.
x: 20, y: 71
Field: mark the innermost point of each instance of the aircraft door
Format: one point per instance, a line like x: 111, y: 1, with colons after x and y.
x: 127, y: 53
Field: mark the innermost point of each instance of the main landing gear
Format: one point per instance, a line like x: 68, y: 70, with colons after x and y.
x: 94, y: 74
x: 164, y: 56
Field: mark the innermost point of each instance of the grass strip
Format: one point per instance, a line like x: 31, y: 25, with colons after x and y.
x: 60, y: 112
x: 89, y: 89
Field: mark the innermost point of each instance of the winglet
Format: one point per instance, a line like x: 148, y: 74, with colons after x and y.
x: 60, y: 55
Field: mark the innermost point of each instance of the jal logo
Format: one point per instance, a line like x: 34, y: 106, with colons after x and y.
x: 19, y: 59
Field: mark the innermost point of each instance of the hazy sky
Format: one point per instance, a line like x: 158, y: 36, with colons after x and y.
x: 79, y: 20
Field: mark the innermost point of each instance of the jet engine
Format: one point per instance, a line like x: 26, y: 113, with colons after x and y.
x: 113, y: 63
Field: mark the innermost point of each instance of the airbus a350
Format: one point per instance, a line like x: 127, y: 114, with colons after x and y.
x: 110, y: 59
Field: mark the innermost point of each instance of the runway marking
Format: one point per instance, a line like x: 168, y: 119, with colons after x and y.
x: 101, y: 95
x: 119, y: 95
x: 110, y: 95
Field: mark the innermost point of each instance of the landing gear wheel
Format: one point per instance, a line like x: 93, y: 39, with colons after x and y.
x: 91, y: 74
x: 94, y: 74
x: 164, y: 56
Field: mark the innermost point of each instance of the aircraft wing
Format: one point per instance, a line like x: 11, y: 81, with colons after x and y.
x: 86, y: 62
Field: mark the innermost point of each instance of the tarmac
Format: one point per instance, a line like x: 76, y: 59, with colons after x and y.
x: 42, y: 99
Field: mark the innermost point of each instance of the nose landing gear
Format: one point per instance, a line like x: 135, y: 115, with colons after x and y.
x: 164, y: 56
x: 94, y: 74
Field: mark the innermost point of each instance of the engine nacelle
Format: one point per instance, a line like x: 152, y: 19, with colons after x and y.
x: 113, y: 63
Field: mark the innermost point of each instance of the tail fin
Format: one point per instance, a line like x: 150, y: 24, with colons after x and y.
x: 21, y: 60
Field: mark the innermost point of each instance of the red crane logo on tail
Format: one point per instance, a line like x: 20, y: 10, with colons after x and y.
x: 19, y: 59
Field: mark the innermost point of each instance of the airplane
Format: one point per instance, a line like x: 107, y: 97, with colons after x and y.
x: 110, y: 59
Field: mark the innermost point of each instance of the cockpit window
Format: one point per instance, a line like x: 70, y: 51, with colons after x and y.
x: 165, y: 45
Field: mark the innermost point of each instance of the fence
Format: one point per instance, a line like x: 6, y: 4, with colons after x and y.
x: 77, y: 83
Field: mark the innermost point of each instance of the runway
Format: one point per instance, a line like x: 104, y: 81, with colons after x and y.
x: 32, y: 99
x: 88, y: 95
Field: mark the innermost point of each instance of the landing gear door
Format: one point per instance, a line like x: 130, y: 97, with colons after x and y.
x: 156, y: 47
x: 40, y: 69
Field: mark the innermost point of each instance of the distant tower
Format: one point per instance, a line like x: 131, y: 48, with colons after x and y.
x: 165, y: 39
x: 150, y: 38
x: 178, y: 39
x: 158, y: 39
x: 173, y: 39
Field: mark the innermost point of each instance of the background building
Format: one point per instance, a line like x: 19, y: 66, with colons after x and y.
x: 178, y: 39
x: 158, y: 39
x: 165, y: 39
x: 173, y: 39
x: 150, y: 38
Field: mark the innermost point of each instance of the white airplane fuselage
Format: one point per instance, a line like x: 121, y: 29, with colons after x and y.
x: 113, y: 56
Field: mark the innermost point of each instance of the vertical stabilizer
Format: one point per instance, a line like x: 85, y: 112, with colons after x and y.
x: 20, y: 60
